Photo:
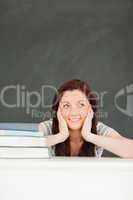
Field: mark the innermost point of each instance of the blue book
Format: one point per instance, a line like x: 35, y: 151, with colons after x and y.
x: 20, y: 133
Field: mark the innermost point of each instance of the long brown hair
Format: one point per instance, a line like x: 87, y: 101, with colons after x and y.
x: 63, y: 149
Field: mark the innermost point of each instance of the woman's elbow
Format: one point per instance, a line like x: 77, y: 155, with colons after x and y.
x: 127, y: 155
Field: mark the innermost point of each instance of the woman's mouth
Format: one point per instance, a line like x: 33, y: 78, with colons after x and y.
x: 74, y: 120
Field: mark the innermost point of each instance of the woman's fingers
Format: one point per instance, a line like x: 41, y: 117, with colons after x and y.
x: 88, y: 121
x: 60, y: 117
x: 62, y: 125
x: 58, y: 113
x: 90, y: 114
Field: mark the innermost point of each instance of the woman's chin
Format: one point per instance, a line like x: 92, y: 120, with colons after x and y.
x: 74, y: 126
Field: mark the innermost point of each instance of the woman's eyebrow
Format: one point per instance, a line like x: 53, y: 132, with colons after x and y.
x: 81, y: 100
x: 64, y: 102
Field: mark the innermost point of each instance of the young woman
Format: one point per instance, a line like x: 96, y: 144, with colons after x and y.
x: 74, y: 130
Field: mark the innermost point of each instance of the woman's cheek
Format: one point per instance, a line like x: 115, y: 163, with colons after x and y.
x: 84, y: 113
x: 65, y: 113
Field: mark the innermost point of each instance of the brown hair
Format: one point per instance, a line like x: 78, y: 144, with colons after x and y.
x: 63, y: 149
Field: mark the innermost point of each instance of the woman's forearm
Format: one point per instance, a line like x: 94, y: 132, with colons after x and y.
x: 55, y: 139
x: 122, y: 146
x: 51, y: 140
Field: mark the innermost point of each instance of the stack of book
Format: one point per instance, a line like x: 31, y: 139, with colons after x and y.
x: 23, y: 144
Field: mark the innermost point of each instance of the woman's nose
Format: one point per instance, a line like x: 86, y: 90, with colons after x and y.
x: 74, y: 112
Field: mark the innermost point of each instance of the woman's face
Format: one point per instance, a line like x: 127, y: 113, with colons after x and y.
x: 74, y: 107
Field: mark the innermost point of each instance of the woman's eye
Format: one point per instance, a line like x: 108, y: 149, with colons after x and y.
x: 81, y: 104
x: 65, y: 106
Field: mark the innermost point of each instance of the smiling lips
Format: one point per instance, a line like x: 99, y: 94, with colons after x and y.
x: 74, y: 119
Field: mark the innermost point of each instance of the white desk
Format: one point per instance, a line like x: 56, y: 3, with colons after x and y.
x: 66, y: 179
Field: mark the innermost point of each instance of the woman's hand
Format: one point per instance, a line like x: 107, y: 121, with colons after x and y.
x: 63, y: 128
x: 86, y: 129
